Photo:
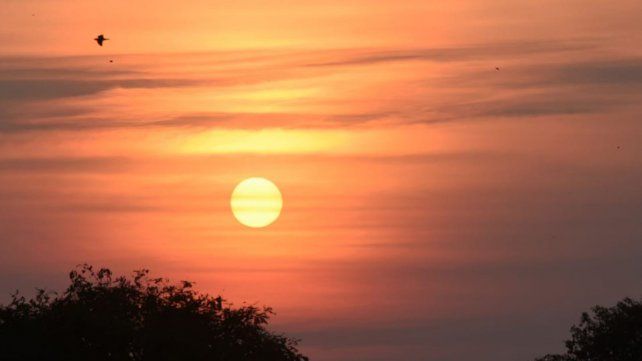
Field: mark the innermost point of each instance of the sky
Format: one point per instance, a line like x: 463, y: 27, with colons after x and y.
x: 460, y: 179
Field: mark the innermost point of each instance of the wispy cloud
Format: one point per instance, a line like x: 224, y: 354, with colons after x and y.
x: 479, y: 52
x: 64, y: 164
x: 532, y: 82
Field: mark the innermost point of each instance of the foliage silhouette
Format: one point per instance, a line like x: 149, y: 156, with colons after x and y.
x: 609, y: 334
x: 100, y: 318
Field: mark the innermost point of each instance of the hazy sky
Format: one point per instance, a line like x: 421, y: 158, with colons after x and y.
x: 435, y: 208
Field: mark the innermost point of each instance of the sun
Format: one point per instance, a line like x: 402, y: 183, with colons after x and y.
x: 256, y: 202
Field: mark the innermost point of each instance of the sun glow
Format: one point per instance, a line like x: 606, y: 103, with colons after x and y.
x: 256, y: 202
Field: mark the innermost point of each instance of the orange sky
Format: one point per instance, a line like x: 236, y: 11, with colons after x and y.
x: 428, y: 197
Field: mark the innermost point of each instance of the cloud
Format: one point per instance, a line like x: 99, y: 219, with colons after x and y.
x: 65, y: 165
x: 574, y: 87
x: 47, y: 89
x: 454, y: 54
x: 621, y: 71
x: 537, y: 105
x: 42, y: 94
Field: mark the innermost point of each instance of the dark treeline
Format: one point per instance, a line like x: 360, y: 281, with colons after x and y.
x: 605, y: 334
x: 100, y: 317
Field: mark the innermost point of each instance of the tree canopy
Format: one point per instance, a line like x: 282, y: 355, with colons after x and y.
x: 101, y: 317
x: 608, y: 334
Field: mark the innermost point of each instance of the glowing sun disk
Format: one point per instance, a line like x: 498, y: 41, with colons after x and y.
x: 256, y: 202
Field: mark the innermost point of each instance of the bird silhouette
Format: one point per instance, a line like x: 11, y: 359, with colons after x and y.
x: 100, y: 39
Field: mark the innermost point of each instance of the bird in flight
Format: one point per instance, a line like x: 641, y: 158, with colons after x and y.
x: 100, y: 39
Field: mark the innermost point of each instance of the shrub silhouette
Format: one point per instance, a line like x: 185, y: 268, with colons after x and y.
x: 100, y: 318
x: 609, y: 334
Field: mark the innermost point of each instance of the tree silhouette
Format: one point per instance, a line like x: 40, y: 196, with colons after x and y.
x: 609, y: 334
x: 100, y: 318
